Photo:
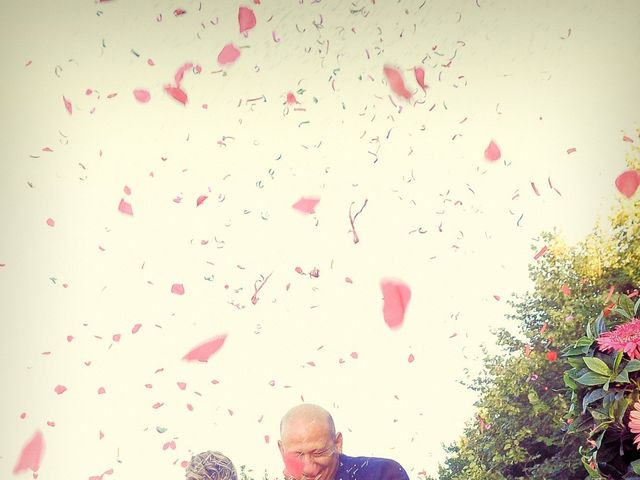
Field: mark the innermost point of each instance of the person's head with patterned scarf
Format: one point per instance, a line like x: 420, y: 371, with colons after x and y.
x: 211, y: 466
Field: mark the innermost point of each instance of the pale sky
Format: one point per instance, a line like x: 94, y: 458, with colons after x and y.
x: 555, y: 86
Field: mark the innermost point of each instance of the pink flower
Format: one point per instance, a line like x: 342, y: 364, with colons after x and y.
x: 634, y: 423
x: 625, y: 337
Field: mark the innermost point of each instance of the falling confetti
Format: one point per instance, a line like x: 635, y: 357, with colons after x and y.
x: 31, y: 454
x: 306, y: 204
x: 492, y: 152
x: 419, y: 73
x: 228, y: 54
x: 125, y: 207
x: 627, y: 182
x: 246, y: 19
x: 204, y: 351
x: 67, y: 105
x: 142, y: 95
x: 396, y: 83
x: 396, y: 295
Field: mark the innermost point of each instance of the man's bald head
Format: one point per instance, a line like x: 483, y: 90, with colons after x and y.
x: 307, y: 413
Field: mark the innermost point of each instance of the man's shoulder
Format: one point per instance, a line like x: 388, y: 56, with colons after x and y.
x: 369, y: 468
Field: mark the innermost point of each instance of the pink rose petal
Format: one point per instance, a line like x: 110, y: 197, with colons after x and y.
x: 228, y: 54
x: 142, y: 95
x: 291, y: 98
x: 200, y: 200
x: 60, y: 389
x: 136, y: 327
x: 354, y: 355
x: 396, y: 82
x: 540, y: 253
x: 125, y: 207
x: 181, y: 385
x: 150, y: 62
x: 180, y: 73
x: 396, y: 298
x: 127, y: 190
x: 419, y: 72
x: 67, y: 105
x: 189, y: 407
x: 204, y: 351
x: 492, y: 152
x: 306, y: 204
x: 246, y: 19
x: 116, y: 337
x: 177, y: 288
x: 51, y: 222
x: 627, y: 182
x: 101, y: 391
x: 157, y: 405
x: 411, y: 358
x: 31, y: 454
x: 177, y: 93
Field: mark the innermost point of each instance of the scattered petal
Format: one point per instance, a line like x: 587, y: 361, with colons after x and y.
x: 228, y: 54
x: 67, y: 105
x: 246, y: 19
x: 396, y: 82
x: 101, y: 391
x: 177, y: 93
x: 136, y: 327
x: 204, y: 351
x: 31, y: 454
x: 116, y: 337
x: 200, y: 200
x: 60, y: 389
x: 396, y: 295
x: 51, y: 222
x: 177, y: 288
x: 492, y: 152
x: 157, y: 405
x: 181, y: 385
x: 306, y: 204
x: 142, y: 95
x: 411, y: 358
x: 291, y: 98
x: 540, y: 253
x: 125, y: 207
x: 627, y: 182
x: 419, y: 72
x: 571, y: 150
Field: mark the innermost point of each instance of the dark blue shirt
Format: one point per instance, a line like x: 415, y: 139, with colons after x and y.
x: 369, y: 468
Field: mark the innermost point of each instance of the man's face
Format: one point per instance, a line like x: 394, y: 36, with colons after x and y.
x: 309, y: 451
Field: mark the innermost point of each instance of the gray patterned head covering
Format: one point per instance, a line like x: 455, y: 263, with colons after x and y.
x: 211, y: 466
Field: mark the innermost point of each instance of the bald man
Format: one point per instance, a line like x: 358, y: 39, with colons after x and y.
x: 312, y: 450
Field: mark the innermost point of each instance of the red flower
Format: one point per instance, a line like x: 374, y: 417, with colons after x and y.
x: 552, y: 356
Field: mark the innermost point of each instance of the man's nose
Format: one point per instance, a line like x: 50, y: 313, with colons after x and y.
x: 309, y: 466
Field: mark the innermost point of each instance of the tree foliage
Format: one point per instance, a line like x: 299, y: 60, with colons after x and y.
x: 520, y: 430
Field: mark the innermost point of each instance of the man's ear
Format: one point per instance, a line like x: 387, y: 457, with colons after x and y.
x: 338, y: 442
x: 280, y: 447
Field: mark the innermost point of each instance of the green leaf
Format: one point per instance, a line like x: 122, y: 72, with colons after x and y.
x: 592, y: 378
x: 597, y: 365
x: 592, y: 397
x: 575, y: 362
x: 636, y: 306
x: 624, y: 313
x: 635, y: 465
x: 569, y: 382
x: 632, y: 366
x: 623, y: 377
x: 617, y: 361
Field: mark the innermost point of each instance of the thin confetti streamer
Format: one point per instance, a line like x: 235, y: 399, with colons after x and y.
x: 204, y: 351
x: 396, y: 296
x: 396, y: 82
x: 31, y: 454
